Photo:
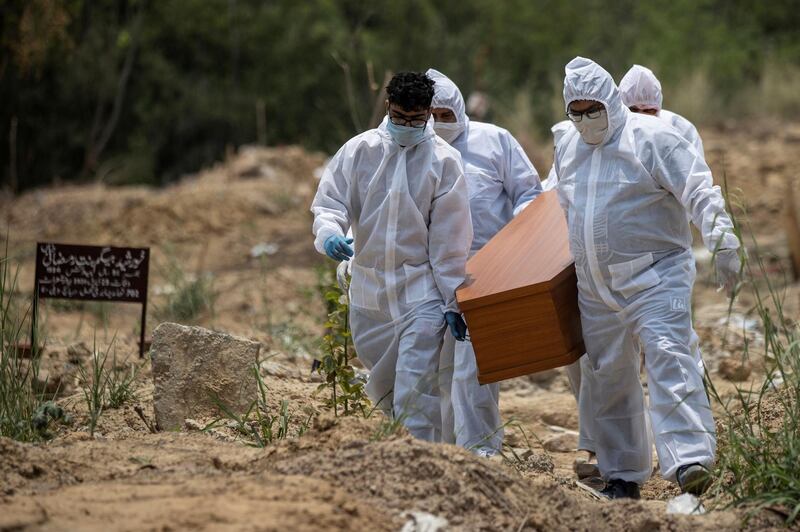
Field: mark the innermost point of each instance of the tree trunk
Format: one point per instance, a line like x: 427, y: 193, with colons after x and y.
x: 98, y: 142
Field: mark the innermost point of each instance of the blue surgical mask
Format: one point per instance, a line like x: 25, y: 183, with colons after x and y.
x: 405, y: 135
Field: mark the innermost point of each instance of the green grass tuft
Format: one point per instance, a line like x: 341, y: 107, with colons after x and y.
x: 758, y: 462
x: 24, y: 413
x: 257, y: 424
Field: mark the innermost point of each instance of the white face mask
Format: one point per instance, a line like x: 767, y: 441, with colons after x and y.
x: 593, y: 130
x: 449, y: 131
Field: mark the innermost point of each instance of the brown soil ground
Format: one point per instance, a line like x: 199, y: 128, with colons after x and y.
x: 339, y: 475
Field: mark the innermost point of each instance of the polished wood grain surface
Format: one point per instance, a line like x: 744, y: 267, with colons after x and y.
x: 522, y: 258
x: 521, y: 298
x: 532, y: 366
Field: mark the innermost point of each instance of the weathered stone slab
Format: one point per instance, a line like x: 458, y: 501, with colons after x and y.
x: 192, y: 366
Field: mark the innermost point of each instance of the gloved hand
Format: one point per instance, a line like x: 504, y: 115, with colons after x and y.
x: 338, y: 247
x: 727, y: 264
x: 343, y: 276
x: 457, y: 326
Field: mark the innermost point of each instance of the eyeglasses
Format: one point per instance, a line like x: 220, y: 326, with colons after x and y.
x: 592, y: 113
x: 398, y: 120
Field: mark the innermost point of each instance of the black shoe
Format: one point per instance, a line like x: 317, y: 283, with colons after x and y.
x: 694, y: 478
x: 620, y: 489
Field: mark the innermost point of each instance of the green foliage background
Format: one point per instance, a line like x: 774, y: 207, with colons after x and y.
x: 199, y: 68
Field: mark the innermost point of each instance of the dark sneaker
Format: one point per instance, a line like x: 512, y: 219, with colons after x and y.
x: 620, y: 489
x: 694, y: 478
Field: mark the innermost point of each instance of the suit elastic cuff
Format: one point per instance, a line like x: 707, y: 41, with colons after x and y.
x: 322, y: 236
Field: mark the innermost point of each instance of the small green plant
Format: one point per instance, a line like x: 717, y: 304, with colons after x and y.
x: 187, y: 297
x: 389, y: 426
x: 121, y: 387
x: 758, y: 462
x: 21, y: 414
x: 94, y: 383
x: 346, y: 387
x: 47, y: 414
x: 257, y: 424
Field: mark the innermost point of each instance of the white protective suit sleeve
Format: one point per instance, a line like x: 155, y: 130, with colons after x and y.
x: 331, y: 204
x: 522, y: 181
x: 559, y: 130
x: 450, y: 233
x: 685, y: 174
x: 685, y: 128
x: 552, y: 180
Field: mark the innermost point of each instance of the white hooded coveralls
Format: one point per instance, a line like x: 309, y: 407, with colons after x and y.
x: 501, y: 181
x: 409, y: 213
x: 639, y: 87
x: 626, y: 201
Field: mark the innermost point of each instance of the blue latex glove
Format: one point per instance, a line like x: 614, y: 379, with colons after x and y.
x: 338, y: 247
x: 457, y: 326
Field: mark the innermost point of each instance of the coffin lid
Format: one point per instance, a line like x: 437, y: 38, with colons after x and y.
x: 528, y: 256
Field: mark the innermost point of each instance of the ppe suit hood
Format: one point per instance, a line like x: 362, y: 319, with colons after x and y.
x: 447, y: 95
x: 586, y: 80
x: 641, y: 88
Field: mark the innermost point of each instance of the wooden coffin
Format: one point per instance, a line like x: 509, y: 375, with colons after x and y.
x: 520, y: 297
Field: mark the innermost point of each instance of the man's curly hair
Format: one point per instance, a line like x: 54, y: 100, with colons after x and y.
x: 412, y: 91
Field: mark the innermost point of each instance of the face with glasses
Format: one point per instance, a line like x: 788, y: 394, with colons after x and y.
x: 416, y: 118
x: 589, y: 108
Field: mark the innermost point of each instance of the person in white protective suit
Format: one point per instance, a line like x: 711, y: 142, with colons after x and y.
x: 401, y: 190
x: 626, y: 183
x: 641, y: 93
x: 501, y: 182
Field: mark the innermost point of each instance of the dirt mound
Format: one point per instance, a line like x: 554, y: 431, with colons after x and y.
x: 259, y: 195
x: 199, y: 483
x: 243, y: 224
x: 336, y: 477
x: 407, y: 475
x: 403, y: 475
x: 238, y: 503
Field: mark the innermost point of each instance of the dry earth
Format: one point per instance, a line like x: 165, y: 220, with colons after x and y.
x: 340, y: 475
